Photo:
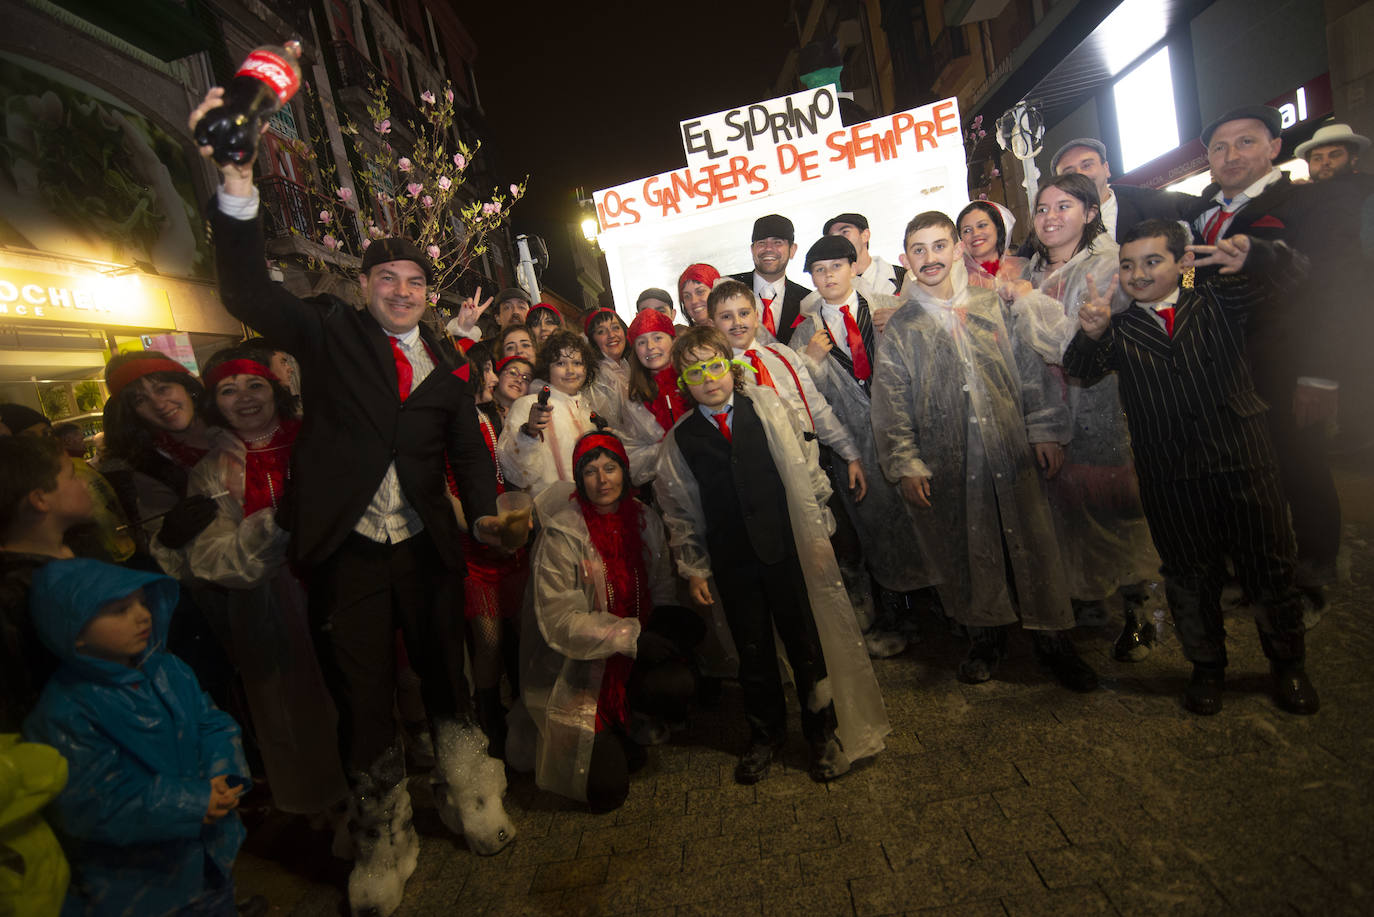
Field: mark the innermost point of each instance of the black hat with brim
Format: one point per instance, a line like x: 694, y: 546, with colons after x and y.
x: 830, y: 248
x: 773, y: 226
x: 383, y: 251
x: 1267, y: 114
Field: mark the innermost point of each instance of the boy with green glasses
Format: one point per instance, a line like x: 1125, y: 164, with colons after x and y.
x: 743, y: 502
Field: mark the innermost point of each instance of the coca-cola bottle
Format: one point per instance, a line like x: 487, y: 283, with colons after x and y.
x: 267, y: 80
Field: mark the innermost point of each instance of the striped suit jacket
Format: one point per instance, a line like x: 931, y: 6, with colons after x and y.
x: 1190, y: 401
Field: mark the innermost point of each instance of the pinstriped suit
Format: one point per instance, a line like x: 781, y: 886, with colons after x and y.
x: 1208, y: 482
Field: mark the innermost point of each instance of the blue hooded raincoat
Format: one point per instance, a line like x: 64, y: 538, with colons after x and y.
x: 142, y: 744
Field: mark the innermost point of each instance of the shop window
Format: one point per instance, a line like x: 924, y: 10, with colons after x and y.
x: 1147, y: 123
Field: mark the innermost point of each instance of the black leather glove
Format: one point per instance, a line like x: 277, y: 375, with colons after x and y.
x: 186, y: 520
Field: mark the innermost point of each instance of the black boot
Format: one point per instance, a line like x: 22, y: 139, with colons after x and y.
x: 1203, y: 694
x: 753, y: 766
x: 988, y: 648
x: 1293, y: 691
x: 1137, y: 637
x: 1056, y: 652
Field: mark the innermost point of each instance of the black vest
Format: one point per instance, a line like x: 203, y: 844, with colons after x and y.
x: 741, y: 491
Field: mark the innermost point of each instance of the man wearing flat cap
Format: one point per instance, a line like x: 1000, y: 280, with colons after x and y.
x: 773, y: 245
x: 1122, y: 206
x: 1301, y: 348
x: 877, y: 274
x: 387, y: 404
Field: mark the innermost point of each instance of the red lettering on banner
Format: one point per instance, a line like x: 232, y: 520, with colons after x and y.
x: 664, y: 200
x: 902, y: 121
x: 946, y: 122
x: 789, y: 160
x: 925, y: 134
x: 842, y: 151
x: 612, y: 207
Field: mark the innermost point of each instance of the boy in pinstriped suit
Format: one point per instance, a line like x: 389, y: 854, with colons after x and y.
x: 1208, y: 481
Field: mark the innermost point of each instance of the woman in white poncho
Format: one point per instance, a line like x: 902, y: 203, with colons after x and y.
x: 1103, y: 536
x: 605, y: 640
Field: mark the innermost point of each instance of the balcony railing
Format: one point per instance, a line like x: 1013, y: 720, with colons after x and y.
x: 357, y: 72
x: 287, y: 206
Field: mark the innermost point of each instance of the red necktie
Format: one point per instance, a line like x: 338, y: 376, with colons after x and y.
x: 1213, y: 227
x: 856, y: 346
x: 723, y: 421
x: 404, y: 372
x: 761, y: 374
x: 768, y: 321
x: 1167, y: 313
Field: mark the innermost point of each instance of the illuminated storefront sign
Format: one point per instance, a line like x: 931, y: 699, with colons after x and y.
x: 94, y: 299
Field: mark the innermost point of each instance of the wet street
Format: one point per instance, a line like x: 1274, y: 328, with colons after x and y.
x: 1015, y: 797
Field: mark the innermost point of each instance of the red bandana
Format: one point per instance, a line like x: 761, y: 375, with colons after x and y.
x: 701, y: 273
x: 137, y: 369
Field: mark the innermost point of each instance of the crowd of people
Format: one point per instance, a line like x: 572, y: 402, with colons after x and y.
x: 362, y: 544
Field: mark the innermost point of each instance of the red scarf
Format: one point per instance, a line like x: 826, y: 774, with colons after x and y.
x: 616, y: 538
x: 267, y: 469
x: 182, y: 453
x: 670, y: 403
x: 991, y: 266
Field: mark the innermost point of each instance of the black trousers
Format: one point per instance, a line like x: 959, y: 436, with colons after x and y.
x: 757, y: 598
x: 1310, y: 488
x: 359, y: 598
x: 661, y: 687
x: 1196, y: 525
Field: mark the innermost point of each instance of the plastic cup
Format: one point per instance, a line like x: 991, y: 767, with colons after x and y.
x: 513, y: 510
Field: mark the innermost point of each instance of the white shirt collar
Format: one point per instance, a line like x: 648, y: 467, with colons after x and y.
x: 1254, y: 191
x: 409, y: 338
x: 779, y: 286
x: 852, y: 302
x: 710, y: 413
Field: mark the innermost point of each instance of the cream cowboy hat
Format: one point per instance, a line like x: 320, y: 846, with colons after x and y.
x: 1333, y: 133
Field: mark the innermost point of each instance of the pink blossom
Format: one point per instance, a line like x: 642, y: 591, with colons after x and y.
x: 448, y: 94
x: 403, y: 164
x: 366, y: 243
x: 433, y: 297
x: 445, y: 182
x: 476, y: 218
x: 374, y: 231
x: 460, y: 160
x: 514, y: 190
x: 330, y: 242
x: 414, y: 188
x: 325, y: 216
x: 488, y: 209
x: 496, y: 207
x: 427, y: 97
x: 427, y: 201
x: 996, y: 172
x: 433, y: 252
x: 345, y: 194
x: 383, y: 127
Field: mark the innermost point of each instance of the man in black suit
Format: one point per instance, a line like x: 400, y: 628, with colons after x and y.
x: 387, y: 404
x: 773, y: 246
x: 1208, y: 483
x: 1299, y: 354
x: 1123, y: 206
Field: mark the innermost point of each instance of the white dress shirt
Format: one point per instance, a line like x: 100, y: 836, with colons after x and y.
x: 390, y: 518
x: 879, y: 277
x: 1108, y: 211
x: 1234, y: 205
x: 834, y: 320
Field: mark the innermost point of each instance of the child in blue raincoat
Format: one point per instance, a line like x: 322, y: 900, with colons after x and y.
x: 147, y: 816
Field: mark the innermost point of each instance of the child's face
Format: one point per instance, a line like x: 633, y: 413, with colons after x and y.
x: 518, y: 344
x: 568, y: 372
x: 654, y: 349
x: 545, y: 324
x: 930, y: 254
x: 1060, y: 218
x: 512, y: 383
x: 70, y: 501
x: 1149, y: 271
x: 711, y: 392
x: 834, y: 278
x: 489, y: 381
x: 694, y: 294
x: 738, y: 320
x: 120, y: 632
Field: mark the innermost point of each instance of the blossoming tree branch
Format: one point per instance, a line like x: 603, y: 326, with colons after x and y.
x: 420, y: 195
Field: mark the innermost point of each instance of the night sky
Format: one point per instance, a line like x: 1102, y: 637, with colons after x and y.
x: 574, y: 97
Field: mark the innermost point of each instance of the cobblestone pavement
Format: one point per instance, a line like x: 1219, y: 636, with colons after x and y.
x: 1015, y: 797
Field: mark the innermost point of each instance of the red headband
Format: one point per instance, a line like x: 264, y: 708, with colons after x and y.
x: 599, y: 440
x: 650, y: 320
x: 543, y: 305
x: 240, y: 367
x: 136, y: 369
x: 506, y: 361
x: 701, y: 273
x: 591, y: 316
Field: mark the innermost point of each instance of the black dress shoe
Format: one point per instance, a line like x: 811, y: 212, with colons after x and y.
x: 1136, y: 640
x: 1203, y: 694
x: 1056, y: 652
x: 988, y: 648
x: 1293, y: 691
x: 828, y: 761
x: 753, y: 767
